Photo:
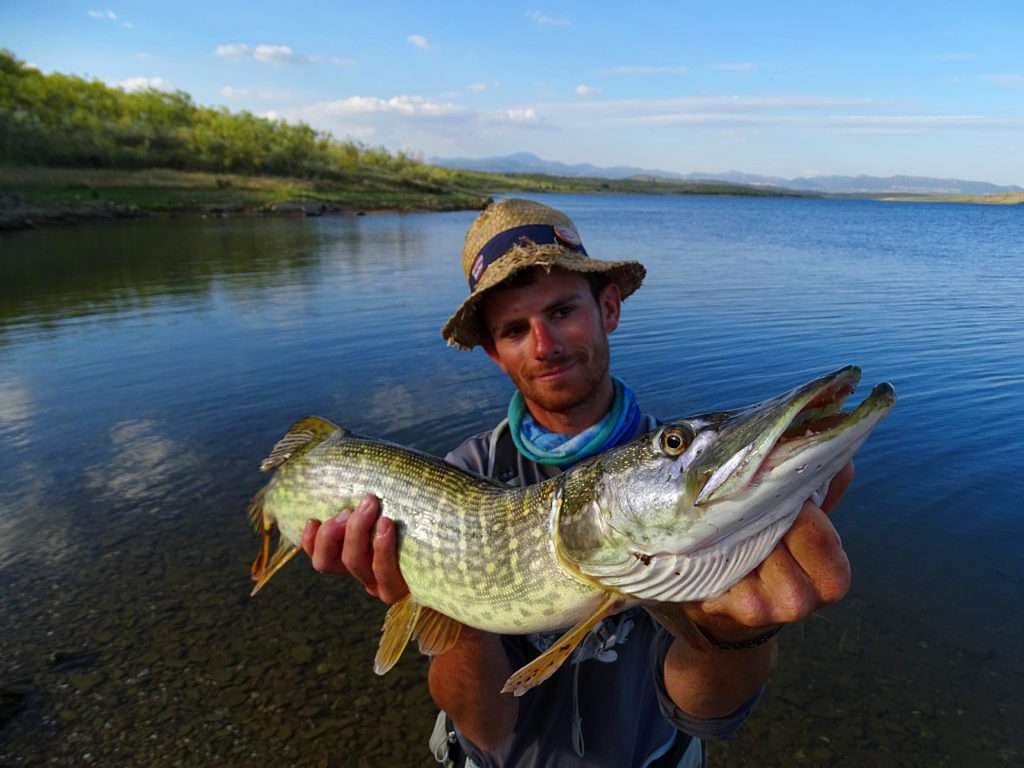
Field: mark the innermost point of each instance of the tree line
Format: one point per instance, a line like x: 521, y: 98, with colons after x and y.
x: 64, y: 120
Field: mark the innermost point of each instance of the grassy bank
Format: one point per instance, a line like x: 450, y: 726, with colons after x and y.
x: 37, y: 196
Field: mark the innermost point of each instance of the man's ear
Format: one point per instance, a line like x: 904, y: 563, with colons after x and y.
x: 610, y: 303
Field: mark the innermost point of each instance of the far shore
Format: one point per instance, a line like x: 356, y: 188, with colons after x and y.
x: 32, y: 197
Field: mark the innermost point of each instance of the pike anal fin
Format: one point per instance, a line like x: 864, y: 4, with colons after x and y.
x: 545, y: 665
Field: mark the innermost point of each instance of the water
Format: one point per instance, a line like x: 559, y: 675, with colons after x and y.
x: 145, y: 368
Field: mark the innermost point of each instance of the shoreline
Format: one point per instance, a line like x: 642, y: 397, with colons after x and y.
x: 34, y: 197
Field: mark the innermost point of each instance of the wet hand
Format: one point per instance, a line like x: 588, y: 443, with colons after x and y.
x: 360, y: 542
x: 808, y: 569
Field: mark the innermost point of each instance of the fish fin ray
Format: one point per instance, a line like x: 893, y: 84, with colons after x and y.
x: 545, y: 665
x: 300, y: 437
x: 284, y: 553
x: 399, y: 624
x: 255, y: 511
x: 435, y: 632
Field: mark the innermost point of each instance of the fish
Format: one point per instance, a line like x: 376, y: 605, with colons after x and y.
x: 679, y: 514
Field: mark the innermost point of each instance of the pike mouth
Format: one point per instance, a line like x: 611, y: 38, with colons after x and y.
x: 809, y: 416
x: 822, y: 419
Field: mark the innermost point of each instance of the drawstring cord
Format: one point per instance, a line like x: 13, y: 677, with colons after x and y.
x: 577, y: 719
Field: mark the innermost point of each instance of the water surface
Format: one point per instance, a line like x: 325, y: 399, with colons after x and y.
x: 145, y: 368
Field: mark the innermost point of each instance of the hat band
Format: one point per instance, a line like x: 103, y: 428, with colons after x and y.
x: 531, y: 234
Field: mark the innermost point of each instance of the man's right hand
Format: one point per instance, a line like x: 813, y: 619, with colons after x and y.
x: 360, y: 542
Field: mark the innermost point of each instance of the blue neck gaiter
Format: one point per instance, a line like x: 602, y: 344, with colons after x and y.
x: 543, y: 447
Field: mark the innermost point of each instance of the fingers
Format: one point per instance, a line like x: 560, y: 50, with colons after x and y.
x: 391, y: 587
x: 357, y: 550
x: 838, y: 487
x: 323, y: 543
x: 816, y: 548
x: 807, y: 570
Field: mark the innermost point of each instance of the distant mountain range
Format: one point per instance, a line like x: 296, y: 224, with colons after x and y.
x: 526, y: 162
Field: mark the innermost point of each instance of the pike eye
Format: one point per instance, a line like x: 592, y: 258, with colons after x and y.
x: 674, y: 441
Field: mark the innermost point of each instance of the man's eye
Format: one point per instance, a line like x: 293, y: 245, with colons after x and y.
x: 564, y: 311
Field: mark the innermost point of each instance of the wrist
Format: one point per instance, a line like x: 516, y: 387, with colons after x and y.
x: 730, y: 636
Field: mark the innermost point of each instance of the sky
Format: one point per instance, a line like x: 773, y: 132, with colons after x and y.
x: 781, y: 89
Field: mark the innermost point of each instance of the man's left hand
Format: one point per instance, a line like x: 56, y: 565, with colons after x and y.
x: 808, y: 569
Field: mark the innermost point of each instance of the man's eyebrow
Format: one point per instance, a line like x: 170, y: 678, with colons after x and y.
x: 565, y: 298
x: 558, y: 301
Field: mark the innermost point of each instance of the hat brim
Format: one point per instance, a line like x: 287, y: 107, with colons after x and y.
x: 463, y: 329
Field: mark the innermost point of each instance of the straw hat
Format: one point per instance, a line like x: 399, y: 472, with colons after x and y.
x: 512, y: 235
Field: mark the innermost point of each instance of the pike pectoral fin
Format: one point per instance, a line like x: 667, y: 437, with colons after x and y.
x: 545, y: 665
x: 678, y: 624
x: 399, y: 624
x: 284, y: 553
x: 436, y: 632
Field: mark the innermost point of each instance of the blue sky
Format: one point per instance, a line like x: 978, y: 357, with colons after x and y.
x: 797, y: 88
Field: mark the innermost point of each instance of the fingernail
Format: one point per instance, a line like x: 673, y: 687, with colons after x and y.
x: 343, y: 516
x: 382, y: 527
x: 364, y: 504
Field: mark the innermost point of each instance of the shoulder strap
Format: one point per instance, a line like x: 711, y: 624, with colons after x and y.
x: 502, y: 456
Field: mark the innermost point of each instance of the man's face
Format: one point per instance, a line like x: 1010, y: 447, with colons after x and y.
x: 551, y: 338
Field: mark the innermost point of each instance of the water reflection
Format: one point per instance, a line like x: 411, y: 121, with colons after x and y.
x: 148, y: 367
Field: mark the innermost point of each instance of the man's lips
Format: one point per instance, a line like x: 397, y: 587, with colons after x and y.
x: 555, y: 373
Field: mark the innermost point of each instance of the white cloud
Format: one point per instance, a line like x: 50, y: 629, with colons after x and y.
x: 418, y: 41
x: 409, y: 106
x: 646, y: 69
x: 585, y: 90
x: 338, y: 61
x: 481, y: 87
x: 109, y: 15
x: 273, y: 53
x: 269, y: 53
x: 544, y: 20
x: 736, y: 66
x: 142, y: 83
x: 521, y: 115
x: 1008, y: 80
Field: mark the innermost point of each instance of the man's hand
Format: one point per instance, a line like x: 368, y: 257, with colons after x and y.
x: 362, y: 543
x: 808, y: 569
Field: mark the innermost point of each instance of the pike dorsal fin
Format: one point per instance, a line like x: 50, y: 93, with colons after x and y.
x: 300, y: 437
x: 545, y: 665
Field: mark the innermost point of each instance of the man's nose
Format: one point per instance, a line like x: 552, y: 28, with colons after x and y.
x: 545, y: 343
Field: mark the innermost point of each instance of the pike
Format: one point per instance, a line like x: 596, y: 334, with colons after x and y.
x: 681, y: 513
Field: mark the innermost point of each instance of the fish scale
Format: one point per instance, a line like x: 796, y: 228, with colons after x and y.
x: 441, y: 514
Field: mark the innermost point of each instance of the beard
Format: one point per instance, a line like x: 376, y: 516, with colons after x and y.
x: 590, y: 367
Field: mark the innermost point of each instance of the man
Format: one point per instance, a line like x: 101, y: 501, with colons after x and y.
x: 634, y: 693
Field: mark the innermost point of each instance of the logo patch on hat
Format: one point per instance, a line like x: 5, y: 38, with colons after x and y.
x: 478, y: 267
x: 568, y: 236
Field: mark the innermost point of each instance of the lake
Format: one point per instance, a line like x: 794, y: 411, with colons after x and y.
x: 147, y: 367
